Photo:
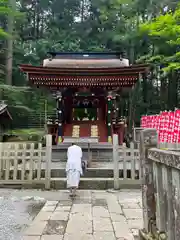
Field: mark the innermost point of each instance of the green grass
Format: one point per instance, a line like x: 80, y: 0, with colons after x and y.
x: 27, y: 131
x: 31, y: 134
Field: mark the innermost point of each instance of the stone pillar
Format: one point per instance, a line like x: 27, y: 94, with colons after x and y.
x: 115, y: 162
x: 59, y: 118
x: 109, y: 117
x: 148, y: 139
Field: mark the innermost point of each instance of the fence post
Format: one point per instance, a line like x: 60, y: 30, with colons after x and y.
x: 115, y: 161
x: 48, y: 161
x: 1, y: 160
x: 148, y: 139
x: 89, y: 154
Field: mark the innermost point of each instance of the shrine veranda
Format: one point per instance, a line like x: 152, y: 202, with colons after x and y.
x: 87, y: 87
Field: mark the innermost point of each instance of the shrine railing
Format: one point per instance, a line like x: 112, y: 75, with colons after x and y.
x: 160, y: 173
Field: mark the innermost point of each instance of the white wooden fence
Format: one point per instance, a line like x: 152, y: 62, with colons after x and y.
x: 128, y: 153
x: 30, y: 163
x: 21, y: 163
x: 125, y: 159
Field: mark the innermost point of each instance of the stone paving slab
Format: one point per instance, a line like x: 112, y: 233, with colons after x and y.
x: 31, y: 238
x: 53, y: 237
x: 93, y: 215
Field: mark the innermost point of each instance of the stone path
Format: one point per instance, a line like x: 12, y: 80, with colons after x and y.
x: 93, y: 215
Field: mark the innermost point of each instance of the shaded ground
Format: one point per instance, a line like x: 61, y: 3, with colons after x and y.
x: 16, y: 214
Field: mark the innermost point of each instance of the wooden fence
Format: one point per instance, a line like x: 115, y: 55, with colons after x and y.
x: 100, y: 154
x: 127, y: 161
x: 160, y: 189
x: 31, y: 164
x: 129, y: 155
x: 21, y: 163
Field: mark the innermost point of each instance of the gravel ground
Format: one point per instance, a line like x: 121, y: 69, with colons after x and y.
x: 16, y: 214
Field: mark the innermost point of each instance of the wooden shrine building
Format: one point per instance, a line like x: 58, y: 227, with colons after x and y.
x: 5, y: 119
x: 87, y: 88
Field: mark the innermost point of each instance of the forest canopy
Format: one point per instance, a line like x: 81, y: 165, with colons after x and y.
x: 144, y: 31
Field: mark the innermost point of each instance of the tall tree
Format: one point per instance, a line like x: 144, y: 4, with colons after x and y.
x: 9, y: 55
x: 94, y: 25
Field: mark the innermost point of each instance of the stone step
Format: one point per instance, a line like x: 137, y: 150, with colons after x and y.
x: 85, y: 155
x: 94, y: 146
x: 100, y: 159
x: 97, y: 183
x: 90, y: 173
x: 85, y: 183
x: 62, y: 157
x: 96, y: 165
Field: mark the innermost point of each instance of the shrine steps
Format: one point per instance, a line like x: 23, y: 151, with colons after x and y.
x: 94, y: 178
x: 98, y: 176
x: 96, y: 183
x: 93, y: 172
x: 103, y: 154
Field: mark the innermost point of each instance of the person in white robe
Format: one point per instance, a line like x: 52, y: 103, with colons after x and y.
x: 73, y: 168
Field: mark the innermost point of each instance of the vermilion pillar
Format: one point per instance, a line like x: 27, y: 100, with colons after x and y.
x: 121, y: 130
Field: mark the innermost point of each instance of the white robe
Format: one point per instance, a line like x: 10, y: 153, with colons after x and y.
x: 74, y: 166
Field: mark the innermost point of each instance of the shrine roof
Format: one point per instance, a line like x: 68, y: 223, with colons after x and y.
x: 4, y: 110
x: 103, y: 74
x: 133, y: 69
x: 85, y: 60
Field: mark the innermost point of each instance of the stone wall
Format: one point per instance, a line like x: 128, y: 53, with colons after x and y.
x: 160, y: 172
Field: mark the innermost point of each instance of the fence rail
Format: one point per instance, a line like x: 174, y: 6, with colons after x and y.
x: 21, y: 163
x: 30, y: 163
x: 127, y: 161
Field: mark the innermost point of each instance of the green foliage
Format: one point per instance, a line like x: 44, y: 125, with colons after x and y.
x: 3, y: 34
x: 31, y: 135
x: 164, y: 31
x: 142, y: 30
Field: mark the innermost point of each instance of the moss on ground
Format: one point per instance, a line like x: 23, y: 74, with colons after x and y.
x: 31, y: 134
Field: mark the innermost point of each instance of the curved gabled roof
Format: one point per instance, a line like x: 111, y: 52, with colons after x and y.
x: 84, y: 69
x: 85, y: 60
x: 133, y: 69
x: 4, y: 110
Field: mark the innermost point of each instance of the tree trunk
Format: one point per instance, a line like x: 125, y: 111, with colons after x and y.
x: 172, y: 91
x: 145, y: 93
x: 131, y: 52
x: 37, y: 19
x: 82, y: 11
x: 9, y: 56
